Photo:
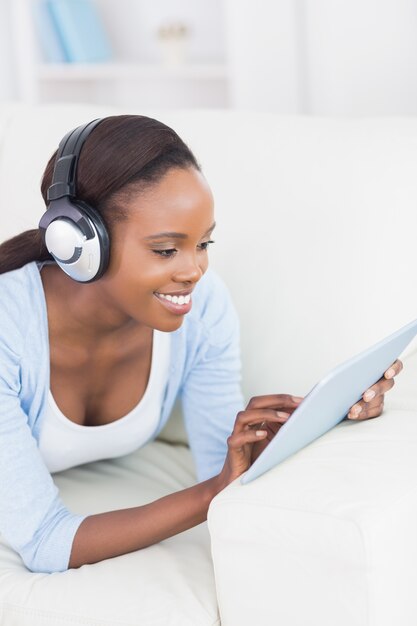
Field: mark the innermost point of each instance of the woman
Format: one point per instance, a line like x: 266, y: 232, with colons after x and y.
x: 91, y: 365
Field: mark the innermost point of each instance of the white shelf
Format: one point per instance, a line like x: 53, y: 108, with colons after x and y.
x: 112, y: 71
x: 126, y: 81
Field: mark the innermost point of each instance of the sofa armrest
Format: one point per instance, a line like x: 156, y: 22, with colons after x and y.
x: 327, y: 537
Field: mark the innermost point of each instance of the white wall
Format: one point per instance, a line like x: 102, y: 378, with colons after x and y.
x: 324, y: 57
x: 7, y: 84
x: 362, y: 56
x: 263, y: 55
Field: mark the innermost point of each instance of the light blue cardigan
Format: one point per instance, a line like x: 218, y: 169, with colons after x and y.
x: 204, y: 370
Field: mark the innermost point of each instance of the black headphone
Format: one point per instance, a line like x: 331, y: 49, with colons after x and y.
x: 74, y: 232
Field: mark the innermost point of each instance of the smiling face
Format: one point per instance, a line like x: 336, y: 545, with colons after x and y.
x: 160, y: 252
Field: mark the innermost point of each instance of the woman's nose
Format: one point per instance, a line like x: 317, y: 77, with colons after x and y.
x: 189, y: 272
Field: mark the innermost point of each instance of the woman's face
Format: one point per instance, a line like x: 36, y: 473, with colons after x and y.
x: 160, y: 252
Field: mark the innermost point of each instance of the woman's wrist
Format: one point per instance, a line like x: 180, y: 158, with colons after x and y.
x: 218, y: 483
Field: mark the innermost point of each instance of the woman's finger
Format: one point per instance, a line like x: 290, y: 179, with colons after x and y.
x: 361, y: 410
x: 356, y: 410
x: 236, y: 441
x: 385, y: 383
x: 282, y: 418
x: 250, y: 417
x: 382, y: 386
x: 275, y: 401
x: 394, y: 369
x: 373, y: 403
x: 370, y: 411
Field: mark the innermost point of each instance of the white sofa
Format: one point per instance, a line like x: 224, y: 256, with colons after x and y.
x: 316, y: 238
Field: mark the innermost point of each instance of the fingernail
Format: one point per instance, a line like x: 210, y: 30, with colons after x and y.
x: 296, y: 398
x: 259, y: 433
x: 390, y: 373
x: 282, y: 414
x: 355, y: 412
x: 369, y: 395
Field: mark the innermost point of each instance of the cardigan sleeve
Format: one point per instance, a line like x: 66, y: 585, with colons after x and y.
x: 211, y: 393
x: 33, y: 519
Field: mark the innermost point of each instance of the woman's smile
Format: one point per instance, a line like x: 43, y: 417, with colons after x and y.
x: 178, y: 303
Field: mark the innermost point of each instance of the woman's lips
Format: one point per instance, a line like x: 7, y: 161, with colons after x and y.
x: 177, y: 309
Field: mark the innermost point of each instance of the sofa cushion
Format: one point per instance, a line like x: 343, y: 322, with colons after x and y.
x: 169, y: 583
x: 329, y: 533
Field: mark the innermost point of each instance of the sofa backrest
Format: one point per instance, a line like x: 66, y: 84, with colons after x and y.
x: 317, y: 222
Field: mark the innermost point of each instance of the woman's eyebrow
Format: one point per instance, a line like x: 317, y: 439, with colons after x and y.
x: 174, y: 235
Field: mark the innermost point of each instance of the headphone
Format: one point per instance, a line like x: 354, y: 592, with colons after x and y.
x: 73, y: 231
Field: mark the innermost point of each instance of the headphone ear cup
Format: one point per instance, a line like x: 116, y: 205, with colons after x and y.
x: 64, y: 241
x: 84, y: 260
x: 102, y: 235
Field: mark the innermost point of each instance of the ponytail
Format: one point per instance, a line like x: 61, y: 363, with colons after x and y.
x: 21, y: 249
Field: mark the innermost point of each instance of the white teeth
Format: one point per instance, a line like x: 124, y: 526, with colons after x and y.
x: 176, y: 299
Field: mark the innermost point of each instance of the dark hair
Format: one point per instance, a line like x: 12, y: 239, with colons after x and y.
x: 125, y: 154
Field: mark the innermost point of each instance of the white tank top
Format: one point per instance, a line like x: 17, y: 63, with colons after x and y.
x: 64, y: 443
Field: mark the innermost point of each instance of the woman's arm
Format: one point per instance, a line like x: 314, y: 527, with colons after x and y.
x: 113, y: 533
x: 211, y: 394
x: 33, y: 519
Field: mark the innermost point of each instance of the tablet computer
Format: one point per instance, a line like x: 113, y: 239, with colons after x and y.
x: 329, y: 402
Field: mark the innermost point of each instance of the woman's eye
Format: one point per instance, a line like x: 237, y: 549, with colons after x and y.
x: 171, y: 251
x: 205, y: 245
x: 165, y: 253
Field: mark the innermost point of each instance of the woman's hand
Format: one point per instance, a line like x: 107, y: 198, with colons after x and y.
x: 372, y: 403
x: 258, y: 424
x: 371, y: 406
x: 253, y: 430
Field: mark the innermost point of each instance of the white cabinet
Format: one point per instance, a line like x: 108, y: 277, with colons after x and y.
x: 137, y: 75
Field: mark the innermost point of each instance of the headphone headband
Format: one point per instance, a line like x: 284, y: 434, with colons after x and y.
x: 65, y: 170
